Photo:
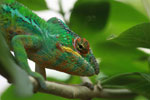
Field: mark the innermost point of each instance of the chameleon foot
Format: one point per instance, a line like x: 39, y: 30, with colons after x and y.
x: 87, y: 82
x: 39, y: 79
x: 88, y: 85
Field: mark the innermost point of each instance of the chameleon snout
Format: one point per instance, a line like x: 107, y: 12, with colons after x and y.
x: 82, y: 67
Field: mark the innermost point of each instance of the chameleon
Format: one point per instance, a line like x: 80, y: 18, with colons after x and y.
x: 50, y: 44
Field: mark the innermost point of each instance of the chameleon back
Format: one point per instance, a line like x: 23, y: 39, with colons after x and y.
x: 17, y: 17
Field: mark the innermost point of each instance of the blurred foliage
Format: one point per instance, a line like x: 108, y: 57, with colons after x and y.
x: 114, y: 99
x: 141, y: 98
x: 137, y: 36
x: 89, y: 15
x: 71, y: 80
x: 35, y: 5
x: 136, y: 82
x: 113, y: 56
x: 114, y: 29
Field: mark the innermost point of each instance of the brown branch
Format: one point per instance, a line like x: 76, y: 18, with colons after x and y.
x: 82, y: 92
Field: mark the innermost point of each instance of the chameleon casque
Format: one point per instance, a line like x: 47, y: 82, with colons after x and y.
x: 49, y: 44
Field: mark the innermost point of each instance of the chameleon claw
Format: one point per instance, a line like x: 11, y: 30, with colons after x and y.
x: 88, y: 85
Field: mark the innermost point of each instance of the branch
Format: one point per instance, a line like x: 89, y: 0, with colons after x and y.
x: 82, y: 92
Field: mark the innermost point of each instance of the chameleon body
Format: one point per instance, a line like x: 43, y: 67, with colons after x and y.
x: 49, y: 44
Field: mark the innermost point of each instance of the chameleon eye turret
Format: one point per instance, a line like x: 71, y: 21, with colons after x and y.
x: 81, y: 45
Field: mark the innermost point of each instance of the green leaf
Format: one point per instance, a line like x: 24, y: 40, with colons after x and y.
x: 117, y: 59
x: 136, y: 82
x: 137, y: 36
x: 122, y: 17
x: 34, y: 4
x: 91, y: 15
x: 116, y: 16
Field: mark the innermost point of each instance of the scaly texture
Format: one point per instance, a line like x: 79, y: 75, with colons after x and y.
x: 49, y: 44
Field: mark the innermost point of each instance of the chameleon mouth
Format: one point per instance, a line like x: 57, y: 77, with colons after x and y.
x: 82, y: 67
x: 93, y: 61
x: 67, y: 49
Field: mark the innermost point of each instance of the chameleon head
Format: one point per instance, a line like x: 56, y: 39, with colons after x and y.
x: 83, y: 48
x: 74, y: 55
x: 86, y: 64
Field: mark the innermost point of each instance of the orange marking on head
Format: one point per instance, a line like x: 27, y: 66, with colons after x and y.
x: 58, y: 46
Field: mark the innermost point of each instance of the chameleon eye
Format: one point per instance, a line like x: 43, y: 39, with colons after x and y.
x: 81, y: 45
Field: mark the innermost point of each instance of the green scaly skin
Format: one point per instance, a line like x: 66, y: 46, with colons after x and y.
x: 49, y: 44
